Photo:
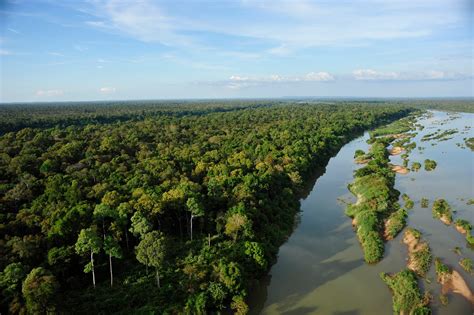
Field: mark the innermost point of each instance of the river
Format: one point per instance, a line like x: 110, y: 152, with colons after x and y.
x: 320, y: 269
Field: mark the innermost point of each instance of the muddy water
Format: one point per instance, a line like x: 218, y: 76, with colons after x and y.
x: 320, y: 269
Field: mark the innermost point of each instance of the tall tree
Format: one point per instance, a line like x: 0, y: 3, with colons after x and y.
x: 89, y: 242
x: 112, y: 248
x: 151, y: 252
x: 196, y: 209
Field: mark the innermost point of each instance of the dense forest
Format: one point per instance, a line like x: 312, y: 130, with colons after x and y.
x: 157, y: 208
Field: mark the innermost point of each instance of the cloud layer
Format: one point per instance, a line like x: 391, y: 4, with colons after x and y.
x: 49, y: 93
x: 238, y: 82
x: 374, y: 75
x: 107, y: 90
x: 285, y: 25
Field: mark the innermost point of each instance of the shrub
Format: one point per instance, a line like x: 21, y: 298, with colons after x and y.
x: 406, y: 295
x: 430, y: 165
x: 466, y: 264
x: 442, y: 210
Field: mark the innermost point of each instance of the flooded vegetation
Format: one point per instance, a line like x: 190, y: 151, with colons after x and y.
x: 407, y: 298
x: 329, y: 256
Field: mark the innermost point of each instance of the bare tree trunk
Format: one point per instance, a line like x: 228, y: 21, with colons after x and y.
x: 209, y: 239
x: 192, y: 217
x: 157, y: 278
x: 103, y: 228
x: 92, y: 265
x: 111, y: 272
x: 126, y: 237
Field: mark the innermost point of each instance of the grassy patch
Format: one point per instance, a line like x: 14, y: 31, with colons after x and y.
x: 441, y: 210
x: 442, y: 270
x: 463, y: 224
x: 467, y: 264
x: 395, y: 223
x: 373, y: 186
x: 419, y: 252
x: 406, y: 295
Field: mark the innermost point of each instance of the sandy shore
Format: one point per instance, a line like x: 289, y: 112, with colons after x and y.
x: 414, y: 245
x: 400, y: 169
x: 460, y: 229
x: 454, y: 282
x: 396, y: 150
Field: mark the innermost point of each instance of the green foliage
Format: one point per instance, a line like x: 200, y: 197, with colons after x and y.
x: 239, y: 306
x: 39, y: 290
x: 430, y: 165
x: 376, y: 201
x: 398, y: 127
x: 408, y: 202
x: 423, y: 257
x: 255, y: 250
x: 10, y: 280
x: 151, y: 249
x: 236, y: 224
x: 442, y: 270
x: 470, y: 143
x: 359, y: 153
x: 464, y: 224
x: 395, y: 223
x: 373, y: 247
x: 88, y: 242
x: 407, y: 298
x: 424, y: 202
x: 81, y: 177
x: 467, y: 264
x: 112, y: 247
x: 442, y: 210
x: 415, y: 166
x: 140, y: 224
x: 470, y: 239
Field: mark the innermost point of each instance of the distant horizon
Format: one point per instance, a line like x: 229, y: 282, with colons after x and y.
x: 289, y: 98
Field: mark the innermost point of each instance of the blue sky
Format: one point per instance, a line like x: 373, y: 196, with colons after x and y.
x: 53, y: 50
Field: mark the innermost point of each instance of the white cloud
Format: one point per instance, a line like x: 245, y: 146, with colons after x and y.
x: 49, y: 93
x: 14, y: 31
x: 369, y: 74
x: 237, y: 81
x: 374, y: 75
x: 285, y: 24
x: 319, y: 76
x: 107, y: 90
x: 143, y: 20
